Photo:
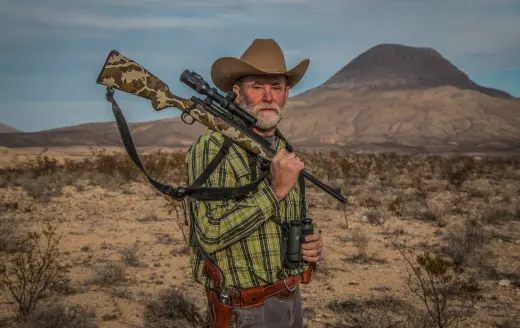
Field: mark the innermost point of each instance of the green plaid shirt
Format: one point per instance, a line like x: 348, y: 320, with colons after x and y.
x: 239, y: 236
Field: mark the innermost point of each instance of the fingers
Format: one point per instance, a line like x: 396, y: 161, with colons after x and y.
x: 311, y: 252
x: 313, y: 237
x: 288, y: 158
x: 313, y: 245
x: 311, y: 259
x: 279, y: 155
x: 312, y: 255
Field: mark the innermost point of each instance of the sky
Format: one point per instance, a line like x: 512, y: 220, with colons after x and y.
x: 51, y: 51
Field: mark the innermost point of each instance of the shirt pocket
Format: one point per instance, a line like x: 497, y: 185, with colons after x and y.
x: 240, y: 168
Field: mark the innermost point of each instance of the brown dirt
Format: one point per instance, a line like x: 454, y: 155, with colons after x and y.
x: 97, y: 224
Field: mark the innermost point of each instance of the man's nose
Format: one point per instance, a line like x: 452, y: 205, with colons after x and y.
x: 268, y: 96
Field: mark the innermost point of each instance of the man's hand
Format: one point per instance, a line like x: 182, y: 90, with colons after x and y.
x: 285, y: 168
x: 312, y: 249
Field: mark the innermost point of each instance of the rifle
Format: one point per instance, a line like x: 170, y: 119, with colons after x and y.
x: 217, y: 112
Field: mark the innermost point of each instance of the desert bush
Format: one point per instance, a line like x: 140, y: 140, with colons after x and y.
x: 373, y: 217
x: 466, y: 242
x: 360, y: 241
x: 498, y: 214
x: 109, y: 273
x: 43, y: 188
x: 60, y: 315
x: 449, y: 297
x: 9, y: 240
x: 130, y: 257
x: 169, y: 308
x: 45, y: 176
x: 397, y: 206
x: 374, y: 312
x: 447, y: 293
x: 28, y: 274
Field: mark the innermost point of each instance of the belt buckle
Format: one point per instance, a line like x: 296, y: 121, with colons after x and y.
x: 291, y: 289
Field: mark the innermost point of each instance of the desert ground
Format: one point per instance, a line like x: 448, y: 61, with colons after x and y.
x: 121, y: 258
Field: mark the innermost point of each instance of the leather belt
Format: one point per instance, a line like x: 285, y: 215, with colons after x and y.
x: 255, y: 296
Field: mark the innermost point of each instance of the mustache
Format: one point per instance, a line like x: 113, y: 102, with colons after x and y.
x: 266, y: 106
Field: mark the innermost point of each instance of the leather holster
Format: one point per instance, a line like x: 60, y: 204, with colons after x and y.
x: 219, y: 314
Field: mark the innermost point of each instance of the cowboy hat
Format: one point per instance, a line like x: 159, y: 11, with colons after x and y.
x: 264, y: 57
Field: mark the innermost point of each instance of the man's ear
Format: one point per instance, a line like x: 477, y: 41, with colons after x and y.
x: 236, y: 90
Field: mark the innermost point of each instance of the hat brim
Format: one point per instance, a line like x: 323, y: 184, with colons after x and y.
x: 226, y: 70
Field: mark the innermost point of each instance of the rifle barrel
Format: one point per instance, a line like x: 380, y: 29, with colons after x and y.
x: 334, y: 193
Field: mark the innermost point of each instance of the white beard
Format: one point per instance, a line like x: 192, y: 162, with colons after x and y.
x: 264, y: 124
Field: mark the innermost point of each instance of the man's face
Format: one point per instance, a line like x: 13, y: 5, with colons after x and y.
x: 264, y: 97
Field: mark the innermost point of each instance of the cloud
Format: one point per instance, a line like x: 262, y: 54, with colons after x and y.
x: 55, y: 48
x: 95, y: 20
x: 131, y: 23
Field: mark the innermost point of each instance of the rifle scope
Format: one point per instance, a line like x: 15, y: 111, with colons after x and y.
x: 197, y: 83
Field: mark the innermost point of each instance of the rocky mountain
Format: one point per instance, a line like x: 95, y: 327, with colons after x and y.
x: 395, y: 97
x: 4, y: 128
x: 389, y: 98
x: 441, y: 119
x: 396, y: 67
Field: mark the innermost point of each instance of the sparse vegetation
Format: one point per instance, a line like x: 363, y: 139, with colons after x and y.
x: 360, y: 241
x: 60, y: 315
x: 169, y: 308
x: 461, y: 212
x: 109, y: 274
x: 31, y: 270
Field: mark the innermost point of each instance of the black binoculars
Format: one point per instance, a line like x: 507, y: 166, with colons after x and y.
x: 294, y: 235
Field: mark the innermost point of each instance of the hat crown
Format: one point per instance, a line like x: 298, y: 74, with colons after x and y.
x: 266, y: 55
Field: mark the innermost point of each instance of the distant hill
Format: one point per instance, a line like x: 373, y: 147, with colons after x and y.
x: 170, y: 132
x: 4, y: 128
x: 389, y: 98
x: 394, y: 66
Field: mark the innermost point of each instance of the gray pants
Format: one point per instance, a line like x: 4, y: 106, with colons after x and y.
x: 277, y: 311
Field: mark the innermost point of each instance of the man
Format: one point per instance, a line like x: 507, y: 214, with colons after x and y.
x: 241, y: 238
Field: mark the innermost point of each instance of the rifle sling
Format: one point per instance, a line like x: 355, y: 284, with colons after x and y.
x: 195, y: 190
x: 301, y: 179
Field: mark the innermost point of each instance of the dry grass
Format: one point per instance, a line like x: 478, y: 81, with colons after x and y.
x: 124, y: 245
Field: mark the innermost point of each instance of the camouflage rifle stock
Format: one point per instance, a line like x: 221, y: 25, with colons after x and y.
x: 126, y: 75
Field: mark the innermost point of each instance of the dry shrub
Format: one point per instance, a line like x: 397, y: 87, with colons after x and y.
x: 375, y: 312
x: 170, y: 309
x: 9, y: 241
x: 108, y: 274
x: 397, y: 206
x: 44, y: 176
x: 60, y: 315
x: 130, y: 257
x: 498, y: 214
x: 374, y: 217
x: 360, y: 240
x: 467, y: 242
x: 33, y: 270
x: 447, y: 293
